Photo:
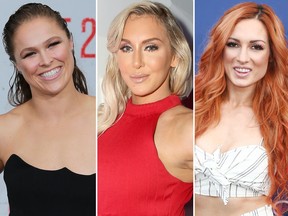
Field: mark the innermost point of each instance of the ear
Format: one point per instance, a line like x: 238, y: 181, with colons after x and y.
x: 174, y: 61
x: 71, y: 42
x: 17, y: 67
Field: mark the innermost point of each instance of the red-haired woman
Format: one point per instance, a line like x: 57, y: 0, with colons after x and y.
x: 242, y: 115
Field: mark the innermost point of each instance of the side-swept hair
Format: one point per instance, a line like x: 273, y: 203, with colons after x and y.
x: 116, y: 92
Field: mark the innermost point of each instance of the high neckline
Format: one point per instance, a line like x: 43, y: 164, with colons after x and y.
x: 152, y: 108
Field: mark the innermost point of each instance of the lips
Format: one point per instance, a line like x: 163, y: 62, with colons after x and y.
x: 139, y: 78
x: 242, y: 71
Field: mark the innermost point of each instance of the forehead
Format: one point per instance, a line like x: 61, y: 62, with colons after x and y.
x: 39, y: 21
x: 37, y: 27
x: 250, y: 29
x: 36, y: 31
x: 144, y: 24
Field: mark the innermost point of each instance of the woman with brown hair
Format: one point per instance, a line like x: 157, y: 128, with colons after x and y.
x: 48, y: 141
x: 242, y: 114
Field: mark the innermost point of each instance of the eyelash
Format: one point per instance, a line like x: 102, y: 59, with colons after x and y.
x: 149, y: 48
x: 236, y: 45
x: 28, y: 54
x: 49, y: 45
x: 125, y: 49
x: 54, y: 43
x: 232, y: 44
x: 257, y: 47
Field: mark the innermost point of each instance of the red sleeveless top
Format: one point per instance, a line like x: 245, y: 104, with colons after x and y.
x: 131, y: 178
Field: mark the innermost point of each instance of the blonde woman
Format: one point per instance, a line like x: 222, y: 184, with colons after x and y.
x: 145, y: 133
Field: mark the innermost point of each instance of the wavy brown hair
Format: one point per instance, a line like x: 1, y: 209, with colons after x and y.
x: 270, y: 101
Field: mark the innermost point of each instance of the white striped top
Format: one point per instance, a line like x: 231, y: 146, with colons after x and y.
x: 240, y: 172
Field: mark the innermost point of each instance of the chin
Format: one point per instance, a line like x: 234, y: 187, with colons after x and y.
x: 54, y: 91
x: 140, y: 93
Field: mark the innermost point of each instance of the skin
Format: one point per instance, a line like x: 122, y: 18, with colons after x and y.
x: 246, y: 51
x: 56, y: 128
x: 238, y: 126
x: 50, y: 51
x: 145, y: 51
x: 145, y: 59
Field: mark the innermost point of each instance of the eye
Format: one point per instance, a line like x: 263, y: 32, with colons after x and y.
x: 54, y: 43
x: 126, y: 49
x: 257, y: 47
x: 232, y: 44
x: 151, y: 48
x: 28, y: 54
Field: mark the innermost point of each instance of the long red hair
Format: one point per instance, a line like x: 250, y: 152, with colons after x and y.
x: 270, y: 101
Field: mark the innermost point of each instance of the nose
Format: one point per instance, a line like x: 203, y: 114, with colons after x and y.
x: 45, y: 58
x: 137, y: 59
x: 243, y: 56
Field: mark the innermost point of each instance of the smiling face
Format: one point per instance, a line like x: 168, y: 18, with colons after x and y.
x: 145, y: 59
x: 43, y: 54
x: 246, y: 54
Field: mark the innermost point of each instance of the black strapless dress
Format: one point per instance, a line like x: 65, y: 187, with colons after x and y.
x: 36, y: 192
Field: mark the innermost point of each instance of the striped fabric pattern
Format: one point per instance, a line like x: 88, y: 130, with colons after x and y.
x: 262, y: 211
x: 240, y: 172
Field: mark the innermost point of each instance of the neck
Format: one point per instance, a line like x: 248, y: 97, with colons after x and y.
x: 240, y: 96
x: 55, y: 107
x: 148, y: 99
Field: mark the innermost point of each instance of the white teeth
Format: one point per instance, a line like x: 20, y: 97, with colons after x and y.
x: 242, y: 70
x: 50, y: 73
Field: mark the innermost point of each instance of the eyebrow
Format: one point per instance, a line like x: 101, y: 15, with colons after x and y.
x: 145, y: 41
x: 44, y: 42
x: 252, y: 41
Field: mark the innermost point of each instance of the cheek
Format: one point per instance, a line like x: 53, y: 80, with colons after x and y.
x: 61, y: 54
x: 28, y: 66
x: 123, y: 63
x: 155, y: 61
x: 228, y: 55
x: 159, y: 62
x: 227, y: 61
x: 261, y: 63
x: 261, y: 60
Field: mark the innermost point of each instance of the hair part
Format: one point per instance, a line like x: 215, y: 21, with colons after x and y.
x: 20, y: 90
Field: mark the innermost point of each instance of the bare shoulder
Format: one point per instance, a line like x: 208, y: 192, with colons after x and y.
x: 91, y: 102
x: 9, y: 123
x: 85, y: 114
x: 91, y: 99
x: 9, y: 119
x: 177, y: 125
x: 179, y: 118
x: 174, y: 142
x: 87, y: 106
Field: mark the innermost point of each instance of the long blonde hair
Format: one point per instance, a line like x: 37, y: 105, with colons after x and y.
x: 116, y: 92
